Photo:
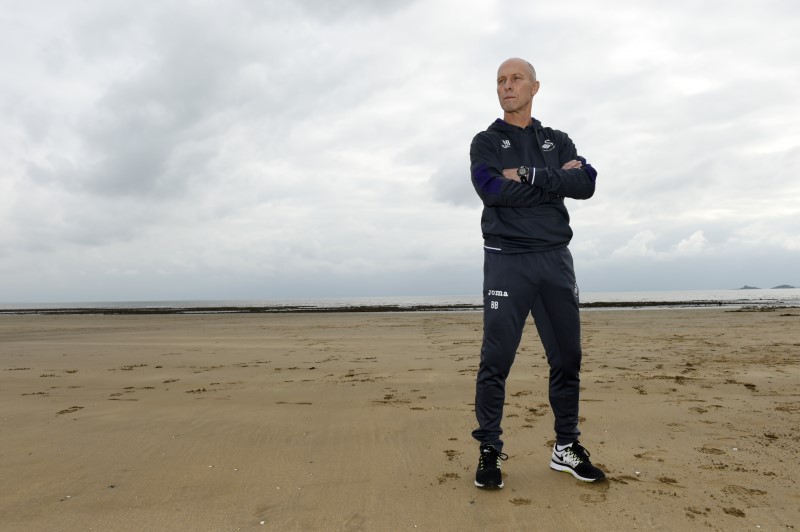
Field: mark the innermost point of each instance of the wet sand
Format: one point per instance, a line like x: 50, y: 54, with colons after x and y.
x: 350, y: 421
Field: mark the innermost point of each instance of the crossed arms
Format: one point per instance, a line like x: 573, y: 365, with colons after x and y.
x: 502, y: 187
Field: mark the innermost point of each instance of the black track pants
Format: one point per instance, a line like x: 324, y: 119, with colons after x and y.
x: 543, y: 284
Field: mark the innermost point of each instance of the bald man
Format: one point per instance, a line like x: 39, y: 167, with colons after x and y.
x: 522, y: 172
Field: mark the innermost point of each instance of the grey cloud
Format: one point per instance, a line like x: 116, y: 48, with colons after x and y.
x: 452, y: 184
x: 327, y: 10
x: 200, y: 80
x: 262, y: 144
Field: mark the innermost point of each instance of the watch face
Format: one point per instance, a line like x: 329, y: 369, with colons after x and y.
x: 522, y: 171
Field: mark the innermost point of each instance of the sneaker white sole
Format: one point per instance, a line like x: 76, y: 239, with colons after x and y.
x: 488, y: 486
x: 568, y: 469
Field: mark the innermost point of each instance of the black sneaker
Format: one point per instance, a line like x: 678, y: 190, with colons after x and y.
x: 488, y: 474
x: 575, y: 459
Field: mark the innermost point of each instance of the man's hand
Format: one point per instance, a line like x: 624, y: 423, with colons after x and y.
x: 511, y: 173
x: 569, y: 165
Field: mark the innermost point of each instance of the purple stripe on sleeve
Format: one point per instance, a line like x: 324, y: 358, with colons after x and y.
x: 485, y: 180
x: 589, y: 169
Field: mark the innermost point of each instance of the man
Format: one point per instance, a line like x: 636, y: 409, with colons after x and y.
x: 523, y: 171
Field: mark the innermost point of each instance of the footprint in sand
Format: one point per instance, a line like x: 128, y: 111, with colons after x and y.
x: 691, y: 511
x: 749, y: 496
x: 651, y: 455
x: 452, y: 454
x: 448, y: 476
x: 540, y: 411
x: 734, y: 512
x: 710, y: 450
x: 598, y: 497
x: 623, y: 479
x: 132, y: 366
x: 70, y: 410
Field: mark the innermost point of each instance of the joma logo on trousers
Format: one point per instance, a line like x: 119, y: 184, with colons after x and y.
x: 498, y: 293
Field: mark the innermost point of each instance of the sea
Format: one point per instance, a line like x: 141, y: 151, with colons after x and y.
x: 774, y: 297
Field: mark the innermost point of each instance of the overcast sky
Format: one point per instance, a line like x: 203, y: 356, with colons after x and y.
x: 245, y: 149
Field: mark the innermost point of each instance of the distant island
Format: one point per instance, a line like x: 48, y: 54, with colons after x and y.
x: 747, y: 287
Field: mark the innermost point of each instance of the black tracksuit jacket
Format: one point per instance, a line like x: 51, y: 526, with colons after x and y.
x: 520, y: 217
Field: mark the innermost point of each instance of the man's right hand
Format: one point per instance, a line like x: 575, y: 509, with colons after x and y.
x: 569, y: 165
x: 511, y: 173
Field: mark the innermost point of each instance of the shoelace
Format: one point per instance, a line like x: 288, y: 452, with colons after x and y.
x: 491, y: 452
x: 578, y: 451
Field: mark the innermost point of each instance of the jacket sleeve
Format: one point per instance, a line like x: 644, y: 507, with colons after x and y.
x: 494, y: 189
x: 578, y: 183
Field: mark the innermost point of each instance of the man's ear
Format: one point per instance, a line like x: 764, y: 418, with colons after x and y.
x: 535, y: 88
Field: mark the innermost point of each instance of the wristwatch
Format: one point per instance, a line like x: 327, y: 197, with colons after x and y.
x: 524, y: 174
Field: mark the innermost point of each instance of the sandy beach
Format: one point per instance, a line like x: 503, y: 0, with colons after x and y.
x: 361, y: 421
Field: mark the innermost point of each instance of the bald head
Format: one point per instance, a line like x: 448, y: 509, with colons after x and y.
x: 521, y: 63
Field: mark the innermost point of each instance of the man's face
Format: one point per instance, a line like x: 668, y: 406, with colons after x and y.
x: 515, y: 86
